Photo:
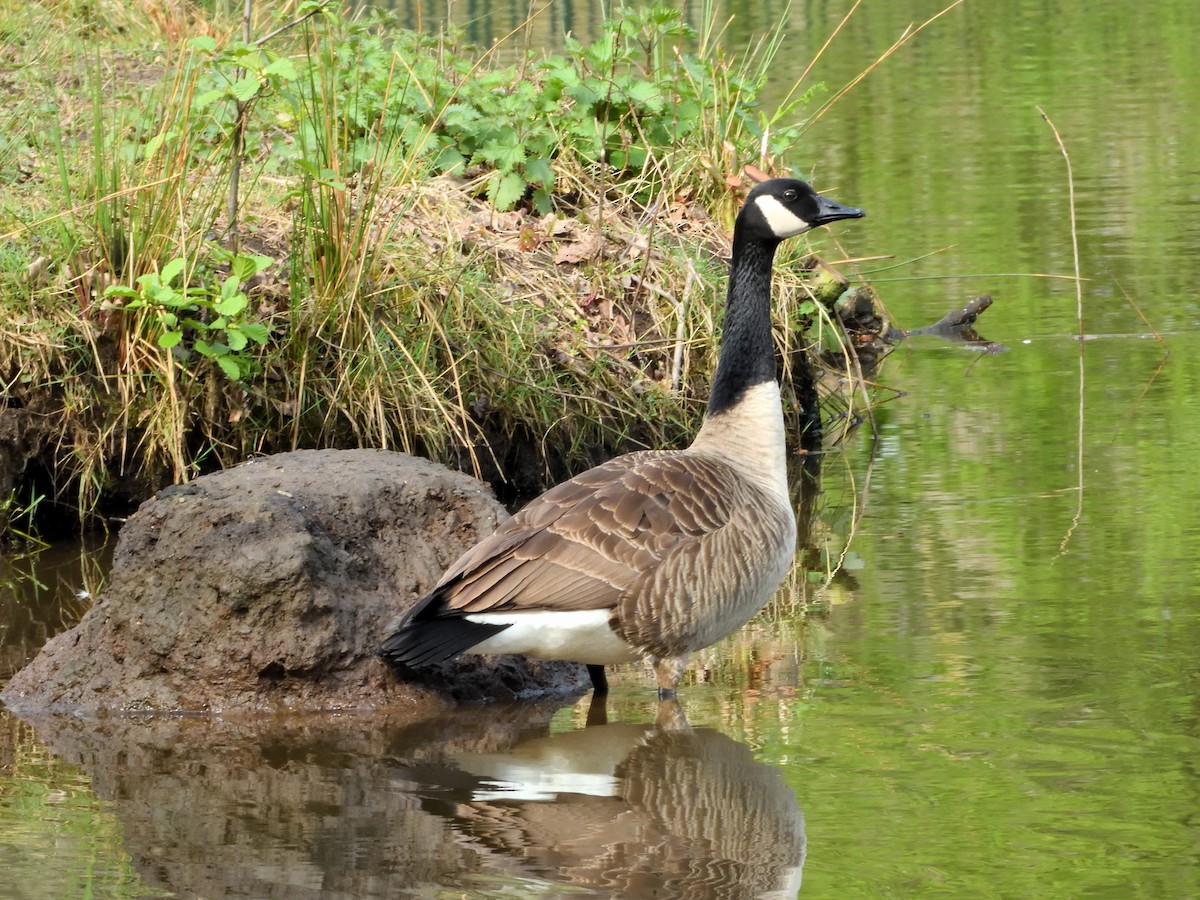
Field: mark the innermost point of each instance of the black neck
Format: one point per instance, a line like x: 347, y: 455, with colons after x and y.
x: 747, y: 353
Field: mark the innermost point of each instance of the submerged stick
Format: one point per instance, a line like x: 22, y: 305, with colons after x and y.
x: 1062, y: 547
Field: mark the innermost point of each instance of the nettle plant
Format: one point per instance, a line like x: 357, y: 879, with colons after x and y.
x: 205, y: 320
x: 628, y: 100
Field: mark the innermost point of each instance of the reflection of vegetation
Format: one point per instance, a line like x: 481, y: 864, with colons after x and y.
x: 59, y: 839
x: 43, y: 592
x: 18, y: 518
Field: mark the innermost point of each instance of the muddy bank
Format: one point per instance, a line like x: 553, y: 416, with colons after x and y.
x: 269, y: 585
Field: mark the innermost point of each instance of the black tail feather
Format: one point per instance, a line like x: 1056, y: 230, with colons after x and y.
x: 434, y: 640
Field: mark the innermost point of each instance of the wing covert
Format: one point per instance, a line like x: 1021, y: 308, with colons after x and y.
x: 586, y: 542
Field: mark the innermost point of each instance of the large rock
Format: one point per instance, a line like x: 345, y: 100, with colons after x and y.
x: 271, y: 585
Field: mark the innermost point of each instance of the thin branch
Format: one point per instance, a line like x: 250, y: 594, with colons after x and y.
x: 238, y: 138
x: 1051, y: 275
x: 1062, y: 547
x: 292, y: 24
x: 859, y: 510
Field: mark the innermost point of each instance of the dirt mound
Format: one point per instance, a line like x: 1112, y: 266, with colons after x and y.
x: 270, y: 585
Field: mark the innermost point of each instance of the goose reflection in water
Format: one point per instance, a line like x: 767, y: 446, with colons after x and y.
x: 484, y: 800
x: 631, y: 810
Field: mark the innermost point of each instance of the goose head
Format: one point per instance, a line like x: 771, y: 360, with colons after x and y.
x: 785, y: 207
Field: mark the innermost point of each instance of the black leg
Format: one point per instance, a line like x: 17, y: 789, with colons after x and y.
x: 597, y: 713
x: 599, y: 679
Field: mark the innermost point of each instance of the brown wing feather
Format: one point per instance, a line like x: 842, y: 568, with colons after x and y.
x: 587, y: 542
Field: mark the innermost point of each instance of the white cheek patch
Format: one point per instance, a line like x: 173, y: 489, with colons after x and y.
x: 782, y: 221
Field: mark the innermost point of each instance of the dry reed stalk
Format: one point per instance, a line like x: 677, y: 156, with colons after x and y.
x: 908, y: 35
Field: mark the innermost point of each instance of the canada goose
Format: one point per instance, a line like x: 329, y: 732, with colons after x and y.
x: 658, y: 553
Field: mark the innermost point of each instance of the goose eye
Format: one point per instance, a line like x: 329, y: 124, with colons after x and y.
x: 789, y: 194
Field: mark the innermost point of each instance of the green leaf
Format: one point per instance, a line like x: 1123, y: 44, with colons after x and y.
x: 461, y: 116
x: 330, y: 179
x: 207, y: 98
x: 246, y: 88
x: 308, y: 7
x: 505, y: 190
x: 586, y: 93
x: 169, y: 339
x: 256, y: 331
x: 261, y: 263
x: 231, y: 306
x: 204, y: 348
x: 244, y: 267
x: 237, y: 340
x: 171, y: 269
x: 539, y: 171
x: 505, y: 154
x: 647, y: 94
x: 282, y: 68
x: 203, y: 43
x: 449, y: 160
x: 172, y: 298
x: 155, y: 142
x: 543, y: 203
x: 230, y: 367
x: 148, y: 282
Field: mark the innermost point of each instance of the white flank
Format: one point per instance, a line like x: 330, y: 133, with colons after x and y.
x: 578, y: 635
x: 782, y: 220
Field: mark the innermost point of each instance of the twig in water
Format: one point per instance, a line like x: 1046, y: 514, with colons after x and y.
x: 1062, y: 547
x: 1141, y: 315
x: 859, y: 510
x: 1158, y: 337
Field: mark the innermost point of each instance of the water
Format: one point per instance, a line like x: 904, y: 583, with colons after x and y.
x: 1000, y: 692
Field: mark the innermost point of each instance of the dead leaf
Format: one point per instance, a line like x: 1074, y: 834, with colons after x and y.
x: 588, y: 247
x: 38, y: 272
